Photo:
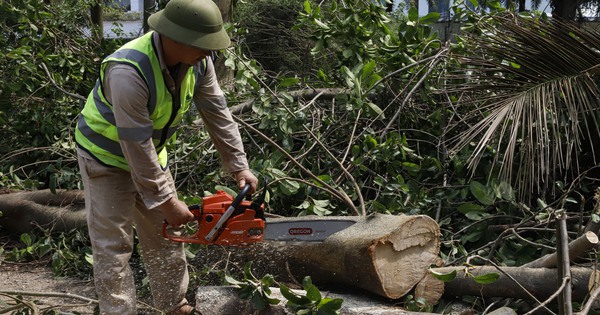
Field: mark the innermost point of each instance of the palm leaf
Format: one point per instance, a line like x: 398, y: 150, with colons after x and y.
x: 530, y: 89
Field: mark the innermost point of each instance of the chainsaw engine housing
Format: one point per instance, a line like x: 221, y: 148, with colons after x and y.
x: 243, y: 227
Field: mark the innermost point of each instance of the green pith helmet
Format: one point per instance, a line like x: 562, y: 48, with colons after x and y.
x: 196, y: 23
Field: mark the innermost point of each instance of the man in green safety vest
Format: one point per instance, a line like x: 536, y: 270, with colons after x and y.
x: 145, y: 88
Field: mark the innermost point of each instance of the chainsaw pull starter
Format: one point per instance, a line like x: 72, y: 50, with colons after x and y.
x: 224, y: 220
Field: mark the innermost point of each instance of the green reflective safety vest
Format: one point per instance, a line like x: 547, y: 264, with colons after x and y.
x: 97, y: 132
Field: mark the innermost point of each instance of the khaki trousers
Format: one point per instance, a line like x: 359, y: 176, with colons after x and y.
x: 113, y: 208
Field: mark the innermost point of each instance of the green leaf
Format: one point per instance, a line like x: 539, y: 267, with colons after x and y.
x: 347, y: 53
x: 348, y: 72
x: 376, y: 109
x: 307, y: 7
x: 483, y: 194
x: 26, y: 239
x: 329, y: 306
x: 368, y: 69
x: 226, y: 189
x: 411, y: 167
x: 446, y: 277
x: 413, y: 14
x: 476, y: 215
x: 319, y: 45
x: 313, y: 293
x: 307, y: 283
x: 229, y: 279
x: 289, y: 187
x: 258, y: 302
x: 291, y: 296
x: 487, y: 278
x: 469, y: 207
x: 289, y: 82
x: 430, y: 18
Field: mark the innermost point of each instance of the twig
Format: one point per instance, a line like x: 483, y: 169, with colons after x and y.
x: 50, y: 294
x: 77, y: 96
x: 513, y: 279
x: 564, y: 270
x: 326, y: 186
x: 429, y: 70
x: 554, y: 295
x: 588, y: 305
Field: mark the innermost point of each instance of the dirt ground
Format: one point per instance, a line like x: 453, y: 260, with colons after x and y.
x: 47, y: 291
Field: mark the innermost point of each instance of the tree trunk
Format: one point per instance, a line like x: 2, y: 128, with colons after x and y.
x: 146, y: 12
x: 216, y: 300
x: 565, y: 10
x: 539, y: 282
x: 430, y: 289
x: 97, y: 18
x: 223, y: 73
x: 26, y: 210
x: 577, y: 248
x: 386, y: 255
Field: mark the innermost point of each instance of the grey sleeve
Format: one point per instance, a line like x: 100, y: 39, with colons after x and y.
x: 217, y: 118
x: 128, y: 94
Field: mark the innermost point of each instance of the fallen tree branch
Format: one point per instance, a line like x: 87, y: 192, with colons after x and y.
x: 316, y: 139
x: 338, y: 194
x: 565, y: 303
x: 564, y: 283
x: 89, y: 301
x: 217, y: 300
x: 539, y: 282
x: 77, y: 96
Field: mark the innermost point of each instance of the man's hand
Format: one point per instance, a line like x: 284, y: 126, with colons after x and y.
x: 176, y: 212
x: 246, y: 177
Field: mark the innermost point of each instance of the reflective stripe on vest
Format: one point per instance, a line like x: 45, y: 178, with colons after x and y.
x: 96, y: 130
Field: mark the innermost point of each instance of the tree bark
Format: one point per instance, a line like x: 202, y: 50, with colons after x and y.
x: 24, y: 211
x: 216, y: 300
x: 146, y: 12
x: 97, y: 18
x: 223, y: 73
x: 386, y: 255
x: 577, y: 248
x: 539, y: 282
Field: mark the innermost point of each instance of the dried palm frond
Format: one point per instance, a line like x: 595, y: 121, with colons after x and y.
x: 531, y: 91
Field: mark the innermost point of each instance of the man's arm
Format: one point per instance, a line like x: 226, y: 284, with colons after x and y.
x: 221, y: 127
x: 128, y: 93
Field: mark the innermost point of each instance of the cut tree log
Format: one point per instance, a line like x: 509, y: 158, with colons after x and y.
x: 577, y: 248
x: 218, y: 300
x: 23, y: 211
x: 430, y: 288
x: 383, y: 254
x: 386, y: 255
x: 539, y: 282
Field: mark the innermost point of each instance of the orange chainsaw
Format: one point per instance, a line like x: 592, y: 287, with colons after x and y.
x: 222, y: 219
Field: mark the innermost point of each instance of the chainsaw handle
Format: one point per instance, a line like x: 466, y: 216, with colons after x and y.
x: 240, y: 196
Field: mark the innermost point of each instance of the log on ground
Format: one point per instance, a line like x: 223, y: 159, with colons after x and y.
x: 539, y: 282
x: 383, y: 254
x: 58, y: 211
x: 386, y: 255
x: 224, y: 300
